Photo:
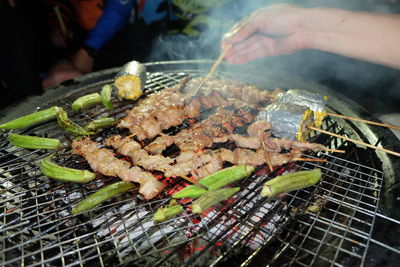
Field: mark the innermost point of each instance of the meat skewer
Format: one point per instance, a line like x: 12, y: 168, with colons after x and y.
x: 103, y: 160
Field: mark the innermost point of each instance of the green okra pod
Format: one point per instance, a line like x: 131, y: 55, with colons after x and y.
x: 98, y: 124
x: 58, y: 172
x: 290, y: 182
x: 33, y: 142
x: 216, y: 181
x: 106, y: 93
x: 165, y: 213
x: 31, y: 119
x: 102, y: 195
x: 70, y: 126
x: 211, y: 198
x: 86, y: 101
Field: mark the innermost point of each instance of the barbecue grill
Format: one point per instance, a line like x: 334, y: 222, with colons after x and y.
x: 355, y: 200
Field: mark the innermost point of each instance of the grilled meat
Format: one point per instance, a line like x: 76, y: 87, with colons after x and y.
x: 103, y: 160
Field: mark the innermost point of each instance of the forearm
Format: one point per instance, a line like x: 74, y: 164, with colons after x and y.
x: 365, y: 36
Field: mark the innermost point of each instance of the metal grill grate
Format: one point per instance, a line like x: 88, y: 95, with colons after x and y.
x: 37, y: 228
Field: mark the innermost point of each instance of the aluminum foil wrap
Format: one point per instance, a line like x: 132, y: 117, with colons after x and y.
x: 288, y: 120
x: 313, y: 101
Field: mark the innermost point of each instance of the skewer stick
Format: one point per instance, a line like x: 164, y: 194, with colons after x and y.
x: 310, y: 159
x: 333, y: 150
x: 194, y: 182
x: 354, y: 141
x: 266, y: 156
x: 60, y: 20
x: 213, y: 68
x: 365, y: 121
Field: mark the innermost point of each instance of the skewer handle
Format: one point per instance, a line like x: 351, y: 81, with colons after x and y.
x: 213, y: 68
x: 365, y: 121
x: 60, y: 20
x: 355, y: 141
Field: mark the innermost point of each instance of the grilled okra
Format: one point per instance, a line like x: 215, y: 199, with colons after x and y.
x: 106, y: 93
x: 86, y: 101
x: 70, y: 126
x: 33, y: 142
x: 98, y: 124
x: 102, y: 195
x: 58, y: 172
x: 290, y: 182
x: 31, y: 119
x: 216, y: 181
x: 167, y: 212
x: 211, y: 198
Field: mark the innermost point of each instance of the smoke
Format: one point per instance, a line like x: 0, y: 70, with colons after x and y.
x: 364, y: 82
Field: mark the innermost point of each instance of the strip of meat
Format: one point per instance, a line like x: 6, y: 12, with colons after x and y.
x: 103, y: 160
x: 202, y: 134
x: 231, y: 89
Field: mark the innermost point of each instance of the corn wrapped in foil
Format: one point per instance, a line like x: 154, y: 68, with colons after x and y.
x: 288, y: 120
x: 313, y: 101
x: 130, y: 80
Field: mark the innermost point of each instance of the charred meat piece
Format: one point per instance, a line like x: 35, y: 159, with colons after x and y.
x: 103, y: 160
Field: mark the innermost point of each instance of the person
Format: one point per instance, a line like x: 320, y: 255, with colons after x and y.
x: 284, y: 29
x: 94, y: 23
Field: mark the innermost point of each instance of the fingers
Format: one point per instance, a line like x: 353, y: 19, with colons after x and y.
x: 249, y: 49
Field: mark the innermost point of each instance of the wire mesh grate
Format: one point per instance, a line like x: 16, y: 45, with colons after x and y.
x: 38, y: 229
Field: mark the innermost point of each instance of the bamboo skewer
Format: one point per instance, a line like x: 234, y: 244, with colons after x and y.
x: 213, y: 68
x: 365, y: 121
x: 333, y: 150
x: 310, y: 159
x: 355, y: 141
x: 266, y: 156
x: 60, y: 20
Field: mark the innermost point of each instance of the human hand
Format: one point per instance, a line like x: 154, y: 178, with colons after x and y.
x: 61, y: 71
x: 270, y: 31
x: 82, y: 61
x: 58, y: 37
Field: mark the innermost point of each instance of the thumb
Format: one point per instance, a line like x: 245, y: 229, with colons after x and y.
x: 239, y: 32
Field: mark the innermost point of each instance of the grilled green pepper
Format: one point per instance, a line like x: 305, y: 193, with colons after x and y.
x: 106, y: 93
x: 95, y: 125
x: 102, y: 195
x: 70, y: 126
x: 58, y: 172
x: 290, y: 182
x: 30, y: 119
x: 211, y: 198
x: 86, y: 101
x: 167, y: 212
x: 33, y: 142
x: 216, y: 181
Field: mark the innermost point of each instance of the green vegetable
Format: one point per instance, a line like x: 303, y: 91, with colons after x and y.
x: 33, y: 142
x: 106, y: 93
x: 30, y: 119
x: 70, y: 126
x: 102, y: 195
x: 86, y: 101
x: 211, y: 198
x: 163, y: 214
x: 55, y: 171
x: 290, y: 182
x: 216, y: 181
x: 95, y: 125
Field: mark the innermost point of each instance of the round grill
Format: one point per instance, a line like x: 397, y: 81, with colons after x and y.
x: 38, y: 229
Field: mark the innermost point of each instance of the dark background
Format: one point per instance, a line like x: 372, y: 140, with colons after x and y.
x: 375, y: 87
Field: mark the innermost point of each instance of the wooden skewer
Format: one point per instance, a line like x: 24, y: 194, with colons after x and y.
x: 365, y: 121
x: 60, y: 20
x: 213, y: 68
x: 354, y: 141
x: 310, y: 159
x: 266, y: 156
x: 333, y: 150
